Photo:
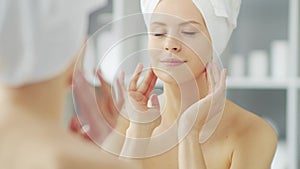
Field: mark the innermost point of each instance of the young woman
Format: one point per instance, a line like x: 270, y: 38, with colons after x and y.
x: 184, y: 37
x: 38, y: 44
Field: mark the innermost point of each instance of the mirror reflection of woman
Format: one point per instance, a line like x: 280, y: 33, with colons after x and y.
x: 38, y: 45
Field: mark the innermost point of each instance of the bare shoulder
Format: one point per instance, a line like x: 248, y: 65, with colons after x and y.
x: 246, y: 125
x: 253, y: 139
x: 77, y: 153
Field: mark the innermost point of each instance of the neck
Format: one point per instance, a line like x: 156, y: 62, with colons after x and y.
x: 178, y: 97
x: 43, y: 101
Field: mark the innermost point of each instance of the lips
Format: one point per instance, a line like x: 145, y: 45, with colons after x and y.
x: 172, y: 62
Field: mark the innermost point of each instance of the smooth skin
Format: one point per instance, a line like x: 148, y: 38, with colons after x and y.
x: 32, y: 135
x: 241, y: 140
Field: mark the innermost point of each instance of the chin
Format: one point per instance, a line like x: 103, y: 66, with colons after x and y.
x: 174, y: 77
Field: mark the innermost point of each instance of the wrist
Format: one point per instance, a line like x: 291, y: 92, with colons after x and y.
x: 192, y: 135
x: 136, y: 130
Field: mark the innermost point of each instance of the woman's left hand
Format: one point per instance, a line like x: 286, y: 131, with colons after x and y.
x: 194, y: 117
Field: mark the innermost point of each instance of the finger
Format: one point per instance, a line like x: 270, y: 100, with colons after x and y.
x: 138, y: 97
x: 216, y: 73
x: 80, y: 81
x: 104, y: 87
x: 218, y: 98
x: 100, y: 77
x: 121, y: 82
x: 151, y: 86
x: 121, y: 101
x: 122, y: 79
x: 122, y: 89
x: 75, y: 125
x: 154, y: 103
x: 146, y: 82
x: 134, y: 80
x: 210, y: 78
x: 222, y: 83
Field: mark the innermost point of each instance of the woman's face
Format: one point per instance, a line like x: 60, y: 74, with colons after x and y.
x: 179, y: 42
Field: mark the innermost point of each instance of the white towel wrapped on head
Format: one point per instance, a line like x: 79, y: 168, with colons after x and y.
x: 220, y: 17
x: 39, y: 38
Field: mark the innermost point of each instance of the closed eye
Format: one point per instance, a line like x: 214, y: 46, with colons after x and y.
x: 189, y: 33
x: 158, y: 34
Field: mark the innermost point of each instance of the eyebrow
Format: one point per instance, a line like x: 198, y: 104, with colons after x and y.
x: 158, y: 23
x: 184, y: 23
x: 190, y: 22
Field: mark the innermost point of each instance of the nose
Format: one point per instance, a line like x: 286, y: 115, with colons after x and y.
x: 172, y: 45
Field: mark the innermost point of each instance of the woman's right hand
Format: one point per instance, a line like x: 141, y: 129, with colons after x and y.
x: 141, y: 107
x: 86, y: 95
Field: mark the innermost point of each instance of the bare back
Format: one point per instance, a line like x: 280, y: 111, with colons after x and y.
x: 28, y: 142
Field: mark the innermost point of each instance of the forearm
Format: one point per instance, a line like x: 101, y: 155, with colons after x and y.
x: 190, y: 153
x: 115, y: 140
x: 136, y: 143
x: 78, y: 154
x: 137, y: 139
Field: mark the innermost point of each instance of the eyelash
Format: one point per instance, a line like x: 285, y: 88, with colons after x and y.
x: 163, y: 34
x: 158, y: 34
x: 189, y: 33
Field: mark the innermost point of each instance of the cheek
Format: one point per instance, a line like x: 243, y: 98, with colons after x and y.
x: 154, y: 61
x: 173, y: 77
x: 200, y: 54
x: 198, y: 68
x: 154, y: 50
x: 154, y: 57
x: 200, y: 51
x: 153, y: 43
